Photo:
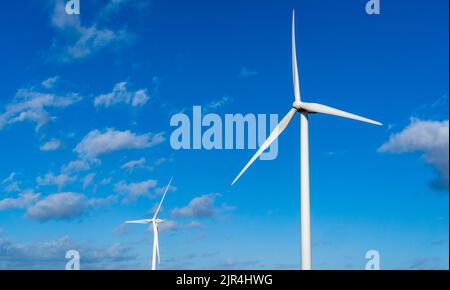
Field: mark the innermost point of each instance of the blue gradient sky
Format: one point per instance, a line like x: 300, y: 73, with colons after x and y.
x: 391, y: 67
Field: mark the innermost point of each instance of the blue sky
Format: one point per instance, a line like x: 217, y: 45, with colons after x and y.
x: 83, y: 96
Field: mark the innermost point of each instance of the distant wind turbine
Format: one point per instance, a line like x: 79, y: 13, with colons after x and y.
x: 154, y: 221
x: 304, y: 109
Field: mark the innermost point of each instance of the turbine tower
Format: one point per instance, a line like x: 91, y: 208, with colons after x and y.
x: 305, y: 109
x: 154, y: 221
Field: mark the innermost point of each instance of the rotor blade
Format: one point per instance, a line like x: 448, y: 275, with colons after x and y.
x: 162, y: 199
x: 318, y: 108
x: 294, y: 62
x: 275, y: 133
x: 155, y: 229
x: 145, y: 221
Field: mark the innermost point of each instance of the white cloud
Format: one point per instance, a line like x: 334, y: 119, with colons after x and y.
x: 194, y: 225
x: 216, y: 104
x: 30, y: 105
x: 133, y: 191
x: 199, y: 207
x: 429, y: 137
x: 79, y: 165
x: 12, y: 187
x: 10, y: 184
x: 162, y: 160
x: 246, y: 73
x: 60, y: 180
x: 10, y: 178
x: 24, y: 200
x: 76, y: 41
x: 64, y: 205
x: 166, y: 226
x: 120, y: 94
x: 88, y: 179
x: 160, y: 190
x: 50, y: 82
x: 97, y: 143
x: 51, y: 254
x: 105, y: 181
x: 134, y: 164
x: 51, y: 145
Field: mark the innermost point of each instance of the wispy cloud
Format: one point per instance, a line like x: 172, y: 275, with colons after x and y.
x: 10, y: 177
x: 77, y: 41
x: 50, y: 82
x: 10, y: 184
x: 429, y: 137
x: 32, y: 105
x: 216, y: 104
x: 247, y: 73
x: 426, y: 263
x: 51, y: 145
x: 88, y: 179
x: 135, y: 164
x: 97, y: 143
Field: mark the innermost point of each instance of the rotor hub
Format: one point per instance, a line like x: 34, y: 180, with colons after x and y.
x: 297, y: 105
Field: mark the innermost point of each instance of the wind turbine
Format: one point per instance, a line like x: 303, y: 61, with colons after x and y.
x: 154, y: 221
x: 304, y: 109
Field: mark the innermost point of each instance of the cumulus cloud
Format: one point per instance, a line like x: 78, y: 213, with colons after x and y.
x: 60, y: 180
x: 32, y: 106
x: 24, y: 200
x: 52, y: 255
x: 97, y: 143
x: 133, y: 191
x: 431, y: 138
x: 78, y: 165
x: 120, y: 94
x: 76, y: 41
x: 64, y: 205
x: 200, y: 207
x: 51, y: 145
x: 166, y: 226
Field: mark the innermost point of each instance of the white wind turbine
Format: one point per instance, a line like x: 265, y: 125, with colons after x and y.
x: 154, y: 221
x: 304, y: 109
